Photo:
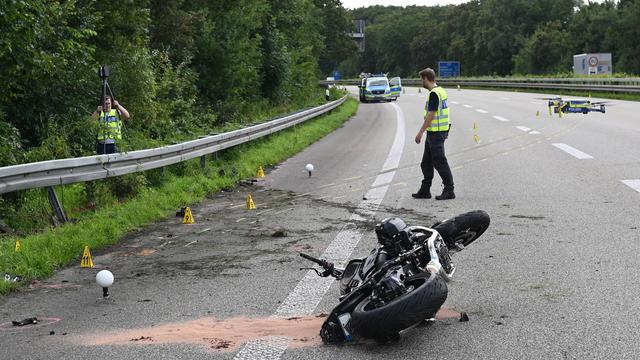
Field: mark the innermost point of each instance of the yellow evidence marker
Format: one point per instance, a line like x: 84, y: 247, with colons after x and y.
x: 86, y: 262
x: 260, y: 172
x: 188, y: 216
x: 18, y: 248
x: 476, y: 138
x: 250, y: 204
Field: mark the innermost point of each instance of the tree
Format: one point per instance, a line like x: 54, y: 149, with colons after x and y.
x: 546, y: 51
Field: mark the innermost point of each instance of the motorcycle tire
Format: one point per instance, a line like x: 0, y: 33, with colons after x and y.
x: 384, y: 322
x: 463, y: 229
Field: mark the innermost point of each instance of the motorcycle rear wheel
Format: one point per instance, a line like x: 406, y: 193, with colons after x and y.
x: 463, y: 229
x: 384, y: 322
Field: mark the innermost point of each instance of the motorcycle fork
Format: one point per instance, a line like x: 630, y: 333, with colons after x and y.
x: 345, y: 306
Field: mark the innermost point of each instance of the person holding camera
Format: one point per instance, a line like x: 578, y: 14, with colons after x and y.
x: 109, y: 125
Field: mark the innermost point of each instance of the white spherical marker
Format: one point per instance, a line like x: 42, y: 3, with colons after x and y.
x: 104, y: 278
x: 309, y: 168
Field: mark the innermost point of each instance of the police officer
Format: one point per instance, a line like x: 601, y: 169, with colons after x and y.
x: 436, y: 124
x: 110, y: 126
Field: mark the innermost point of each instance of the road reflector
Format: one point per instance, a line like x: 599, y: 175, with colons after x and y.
x: 188, y: 216
x: 86, y: 262
x: 250, y: 204
x: 475, y: 126
x: 458, y: 87
x: 476, y: 138
x: 260, y: 172
x: 419, y: 90
x: 18, y: 248
x: 538, y: 113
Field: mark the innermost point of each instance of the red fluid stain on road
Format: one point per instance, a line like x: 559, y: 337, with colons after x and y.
x: 225, y: 335
x: 216, y: 335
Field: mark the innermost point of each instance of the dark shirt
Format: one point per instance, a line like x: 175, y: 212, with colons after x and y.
x: 433, y: 102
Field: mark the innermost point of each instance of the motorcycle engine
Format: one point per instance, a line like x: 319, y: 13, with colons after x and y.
x: 392, y: 285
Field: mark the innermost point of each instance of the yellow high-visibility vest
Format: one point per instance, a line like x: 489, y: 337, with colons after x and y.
x: 441, y: 120
x: 110, y: 126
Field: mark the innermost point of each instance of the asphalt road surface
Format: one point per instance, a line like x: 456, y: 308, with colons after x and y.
x: 555, y: 276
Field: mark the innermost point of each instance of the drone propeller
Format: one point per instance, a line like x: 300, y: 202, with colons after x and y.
x: 550, y: 98
x: 600, y: 102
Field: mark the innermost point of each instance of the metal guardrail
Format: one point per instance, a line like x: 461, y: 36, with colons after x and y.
x: 73, y: 170
x: 621, y: 85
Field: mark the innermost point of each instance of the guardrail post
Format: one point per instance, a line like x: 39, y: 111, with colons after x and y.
x: 214, y: 156
x: 203, y: 161
x: 58, y: 211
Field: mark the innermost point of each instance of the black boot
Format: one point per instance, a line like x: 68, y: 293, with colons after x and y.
x: 423, y: 193
x: 447, y: 193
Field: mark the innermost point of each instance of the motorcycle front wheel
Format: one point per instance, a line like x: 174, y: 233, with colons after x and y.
x: 429, y: 291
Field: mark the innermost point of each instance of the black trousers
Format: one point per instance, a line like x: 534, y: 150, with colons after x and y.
x: 105, y: 148
x: 434, y: 157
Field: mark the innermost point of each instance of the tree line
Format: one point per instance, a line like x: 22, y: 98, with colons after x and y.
x: 497, y: 37
x: 180, y: 67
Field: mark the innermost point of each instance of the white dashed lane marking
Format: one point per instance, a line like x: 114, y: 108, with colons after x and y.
x: 634, y: 184
x: 523, y: 128
x: 500, y: 118
x: 481, y: 111
x: 535, y: 132
x: 467, y: 106
x: 573, y: 151
x: 310, y: 290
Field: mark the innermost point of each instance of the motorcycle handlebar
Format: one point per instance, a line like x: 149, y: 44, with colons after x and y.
x: 324, y: 263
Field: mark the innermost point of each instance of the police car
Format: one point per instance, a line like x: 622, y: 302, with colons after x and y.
x: 377, y: 87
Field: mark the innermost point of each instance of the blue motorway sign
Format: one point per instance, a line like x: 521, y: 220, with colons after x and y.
x: 448, y: 69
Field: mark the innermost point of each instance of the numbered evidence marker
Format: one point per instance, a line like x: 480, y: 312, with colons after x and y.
x: 86, y: 262
x: 188, y: 216
x: 250, y: 204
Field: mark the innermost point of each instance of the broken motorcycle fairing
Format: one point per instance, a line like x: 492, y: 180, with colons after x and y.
x: 402, y: 282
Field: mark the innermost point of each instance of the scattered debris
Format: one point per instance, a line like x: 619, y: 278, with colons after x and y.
x: 279, y: 232
x: 27, y: 321
x: 10, y: 278
x: 52, y: 332
x: 464, y: 317
x: 145, y: 300
x: 181, y: 212
x: 141, y: 338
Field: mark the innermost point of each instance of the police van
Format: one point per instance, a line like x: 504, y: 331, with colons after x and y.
x: 377, y: 87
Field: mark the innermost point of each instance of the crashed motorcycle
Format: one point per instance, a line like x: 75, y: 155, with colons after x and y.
x: 402, y: 282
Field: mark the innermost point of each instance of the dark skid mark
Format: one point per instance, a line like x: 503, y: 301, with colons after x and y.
x: 528, y: 217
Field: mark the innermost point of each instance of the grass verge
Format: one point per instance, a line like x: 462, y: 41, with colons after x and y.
x: 43, y: 253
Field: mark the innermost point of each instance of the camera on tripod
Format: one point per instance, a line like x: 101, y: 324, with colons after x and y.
x: 103, y: 72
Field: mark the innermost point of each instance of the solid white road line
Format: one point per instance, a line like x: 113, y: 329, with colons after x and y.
x: 500, y: 118
x: 482, y: 111
x: 572, y: 151
x: 634, y: 184
x: 523, y: 128
x: 306, y: 296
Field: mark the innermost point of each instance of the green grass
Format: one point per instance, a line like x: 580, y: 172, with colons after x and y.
x: 45, y: 252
